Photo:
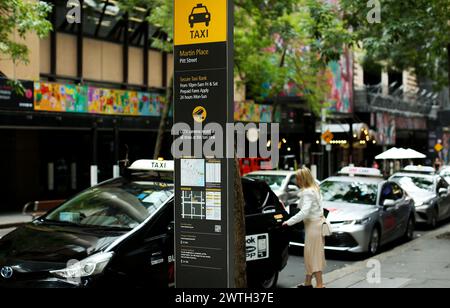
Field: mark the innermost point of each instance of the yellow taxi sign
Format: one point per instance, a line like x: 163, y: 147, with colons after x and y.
x: 200, y: 21
x: 327, y: 136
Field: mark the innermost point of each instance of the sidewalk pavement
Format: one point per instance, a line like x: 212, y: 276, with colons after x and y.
x: 421, y: 263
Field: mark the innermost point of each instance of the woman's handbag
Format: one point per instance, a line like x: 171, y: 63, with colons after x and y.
x: 326, y: 226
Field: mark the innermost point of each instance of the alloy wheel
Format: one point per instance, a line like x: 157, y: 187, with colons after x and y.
x: 374, y: 242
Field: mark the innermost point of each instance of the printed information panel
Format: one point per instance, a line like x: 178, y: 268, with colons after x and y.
x: 203, y: 94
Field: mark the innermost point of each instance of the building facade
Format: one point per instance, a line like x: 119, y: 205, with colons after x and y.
x: 94, y: 93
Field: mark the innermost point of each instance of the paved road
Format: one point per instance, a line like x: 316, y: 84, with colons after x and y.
x: 294, y: 272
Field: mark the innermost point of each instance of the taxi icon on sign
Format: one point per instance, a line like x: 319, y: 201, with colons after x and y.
x: 199, y: 114
x: 199, y: 14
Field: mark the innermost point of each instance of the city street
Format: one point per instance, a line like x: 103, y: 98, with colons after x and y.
x: 153, y: 138
x: 293, y: 274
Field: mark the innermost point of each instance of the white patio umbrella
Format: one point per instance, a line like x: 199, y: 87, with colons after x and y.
x: 400, y: 153
x: 394, y: 153
x: 413, y: 154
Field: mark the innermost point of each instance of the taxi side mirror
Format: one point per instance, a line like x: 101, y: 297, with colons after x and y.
x: 292, y: 188
x: 388, y: 203
x: 443, y: 192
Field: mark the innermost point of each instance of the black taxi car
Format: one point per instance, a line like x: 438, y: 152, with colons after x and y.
x: 120, y: 233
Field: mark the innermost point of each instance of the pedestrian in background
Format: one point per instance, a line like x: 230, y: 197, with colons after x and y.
x: 312, y: 215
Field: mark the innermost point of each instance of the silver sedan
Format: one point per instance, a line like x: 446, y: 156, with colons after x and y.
x: 365, y: 212
x: 431, y: 194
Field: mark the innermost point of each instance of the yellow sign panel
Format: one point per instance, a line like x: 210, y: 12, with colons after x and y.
x: 327, y: 136
x: 199, y: 114
x: 438, y: 147
x: 200, y: 21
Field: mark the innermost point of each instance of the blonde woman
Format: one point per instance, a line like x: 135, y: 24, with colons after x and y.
x: 312, y: 215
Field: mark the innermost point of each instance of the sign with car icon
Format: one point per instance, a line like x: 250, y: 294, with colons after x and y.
x: 199, y: 14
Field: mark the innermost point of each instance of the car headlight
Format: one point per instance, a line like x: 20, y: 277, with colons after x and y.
x: 90, y: 266
x: 363, y: 221
x: 422, y: 203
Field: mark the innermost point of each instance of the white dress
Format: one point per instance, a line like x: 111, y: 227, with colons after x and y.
x: 312, y: 215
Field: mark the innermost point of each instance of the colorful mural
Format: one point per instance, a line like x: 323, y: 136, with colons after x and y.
x: 411, y: 123
x: 341, y: 83
x: 84, y: 99
x: 59, y: 97
x: 386, y: 129
x: 250, y: 112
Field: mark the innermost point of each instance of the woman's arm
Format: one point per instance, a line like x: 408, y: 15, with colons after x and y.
x: 307, y: 201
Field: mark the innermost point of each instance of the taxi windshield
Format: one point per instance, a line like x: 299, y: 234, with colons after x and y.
x: 199, y: 10
x: 122, y: 204
x: 349, y: 192
x: 423, y: 182
x: 276, y: 182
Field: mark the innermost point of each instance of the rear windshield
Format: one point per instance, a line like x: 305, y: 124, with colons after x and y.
x: 276, y: 182
x: 120, y: 204
x: 258, y: 197
x: 423, y: 182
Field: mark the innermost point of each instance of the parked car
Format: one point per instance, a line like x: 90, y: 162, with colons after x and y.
x: 120, y: 233
x: 365, y: 211
x: 283, y: 183
x: 430, y: 192
x: 445, y: 173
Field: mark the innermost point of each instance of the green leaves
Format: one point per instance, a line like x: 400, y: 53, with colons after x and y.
x: 277, y: 42
x: 21, y: 17
x: 412, y: 34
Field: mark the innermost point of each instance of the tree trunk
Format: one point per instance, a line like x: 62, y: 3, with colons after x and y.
x: 240, y: 265
x: 162, y: 123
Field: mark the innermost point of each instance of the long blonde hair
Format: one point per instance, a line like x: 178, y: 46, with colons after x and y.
x: 306, y: 178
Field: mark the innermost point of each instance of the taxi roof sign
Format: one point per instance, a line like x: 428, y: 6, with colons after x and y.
x: 153, y: 165
x: 420, y: 169
x: 359, y: 171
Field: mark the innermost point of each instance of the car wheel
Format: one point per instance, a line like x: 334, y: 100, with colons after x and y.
x: 434, y: 219
x: 207, y: 24
x: 269, y: 282
x: 409, y: 234
x: 192, y: 25
x: 374, y: 245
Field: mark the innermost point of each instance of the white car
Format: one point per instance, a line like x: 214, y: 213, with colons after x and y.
x: 365, y: 212
x: 445, y: 173
x: 431, y: 194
